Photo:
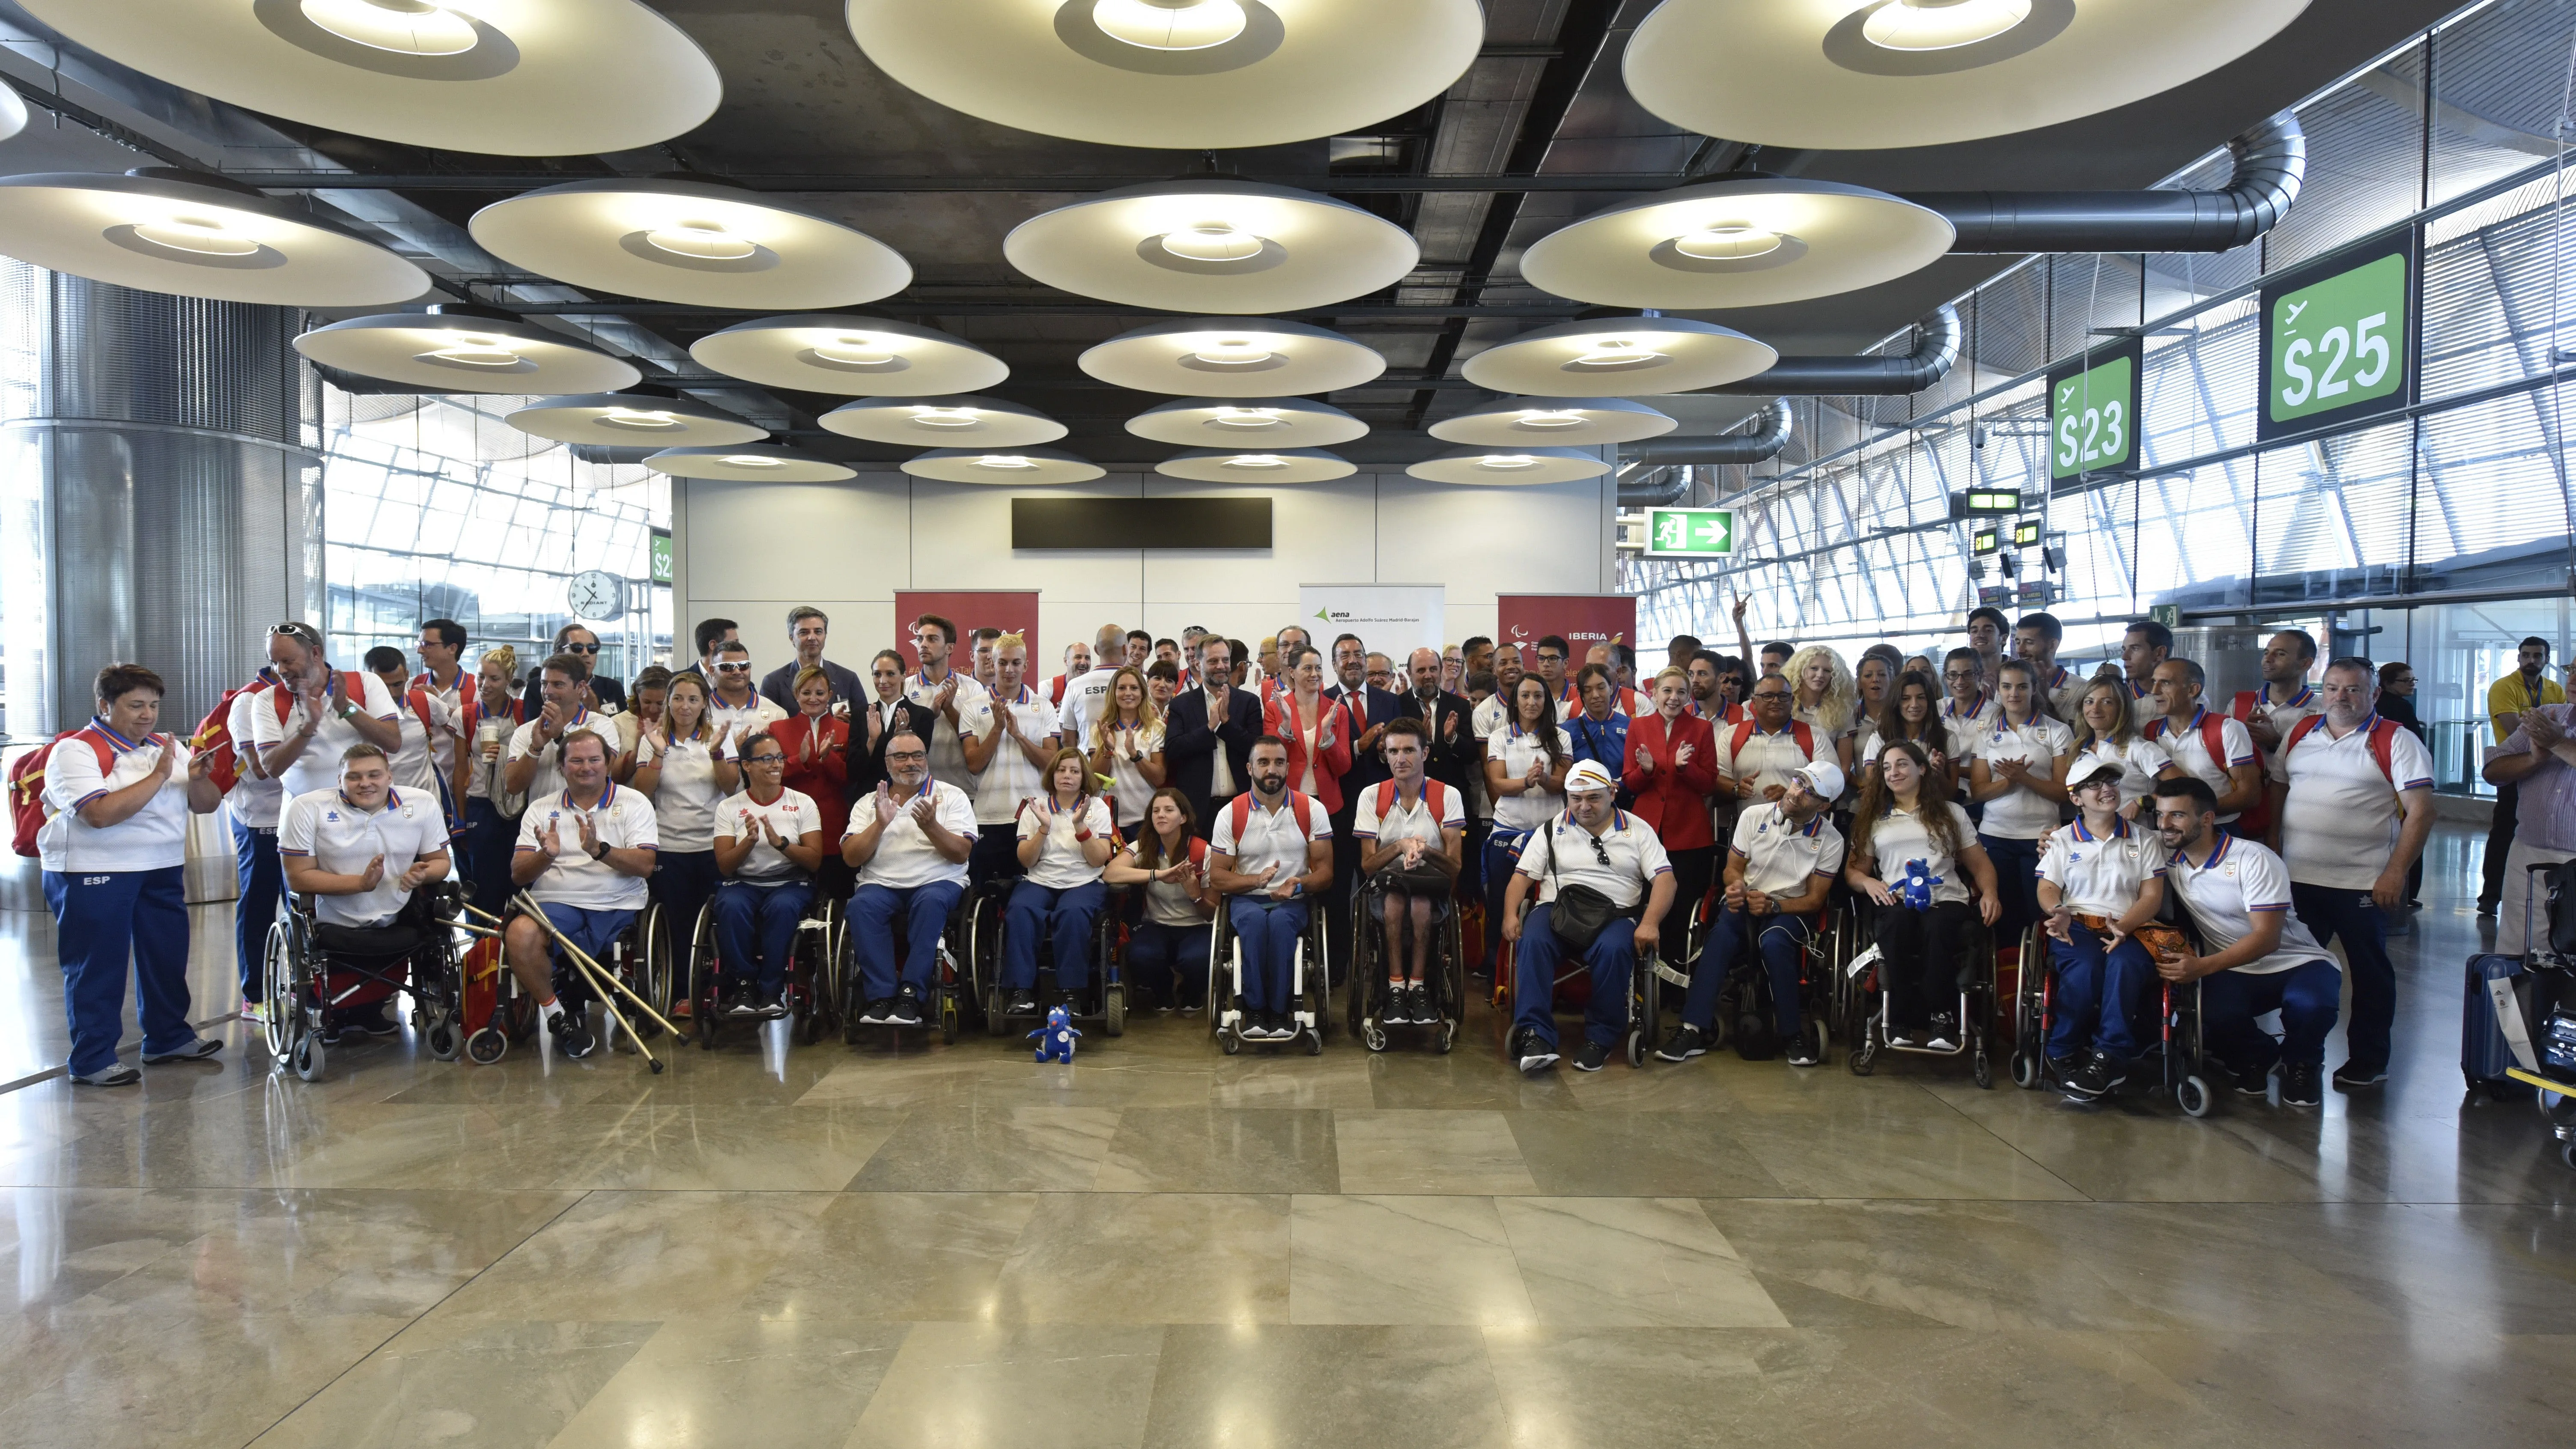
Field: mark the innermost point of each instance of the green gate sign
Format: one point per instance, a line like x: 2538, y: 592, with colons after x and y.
x: 2093, y: 413
x: 2338, y: 340
x: 659, y: 553
x: 1690, y: 532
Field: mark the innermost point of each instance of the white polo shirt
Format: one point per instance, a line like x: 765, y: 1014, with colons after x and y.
x: 905, y: 857
x: 974, y: 713
x: 793, y: 814
x: 2284, y: 717
x: 1135, y: 793
x: 1781, y: 856
x: 1382, y: 815
x: 1060, y: 865
x: 2190, y: 751
x: 341, y: 838
x: 735, y: 721
x: 152, y: 838
x: 549, y: 779
x: 2340, y: 820
x: 318, y: 766
x: 1766, y: 755
x: 1082, y: 701
x: 2065, y: 690
x: 1518, y: 749
x: 2024, y: 814
x: 1899, y: 836
x: 2142, y: 762
x: 2101, y: 875
x: 1008, y: 776
x: 622, y: 819
x: 1968, y: 723
x: 1270, y: 837
x: 686, y: 794
x: 255, y: 800
x: 426, y: 746
x: 1636, y: 857
x: 2225, y: 889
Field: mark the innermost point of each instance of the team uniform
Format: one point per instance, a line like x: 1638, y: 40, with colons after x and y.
x: 255, y: 802
x: 1916, y: 948
x: 2339, y: 829
x: 2235, y: 879
x: 1060, y: 897
x: 1266, y: 927
x: 117, y: 893
x: 2191, y: 749
x: 590, y: 901
x: 1008, y: 782
x: 2017, y: 821
x: 280, y: 716
x: 2064, y: 689
x: 1083, y: 700
x: 1624, y: 870
x: 1381, y: 816
x: 907, y: 876
x: 428, y: 728
x: 2142, y: 762
x: 548, y: 781
x: 1781, y: 858
x: 1134, y: 794
x: 340, y: 837
x: 2098, y: 991
x: 974, y: 713
x: 737, y: 722
x: 757, y: 910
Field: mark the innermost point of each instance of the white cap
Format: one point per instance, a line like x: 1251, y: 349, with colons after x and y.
x: 1589, y: 776
x: 1824, y: 777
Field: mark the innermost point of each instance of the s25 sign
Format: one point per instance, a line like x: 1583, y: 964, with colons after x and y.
x: 2338, y: 339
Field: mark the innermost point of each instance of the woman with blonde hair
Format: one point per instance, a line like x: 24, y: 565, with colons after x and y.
x: 2106, y: 728
x: 1127, y: 746
x: 1824, y: 698
x: 492, y: 710
x: 684, y: 765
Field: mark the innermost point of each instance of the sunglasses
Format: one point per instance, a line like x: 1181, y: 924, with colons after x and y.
x: 581, y: 649
x: 733, y: 669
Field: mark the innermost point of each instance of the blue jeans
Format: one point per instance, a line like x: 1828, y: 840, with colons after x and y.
x: 491, y: 838
x: 2334, y: 912
x: 1066, y: 917
x: 2307, y: 997
x: 595, y: 932
x: 1611, y: 958
x: 2016, y: 884
x: 262, y: 878
x: 756, y: 928
x: 102, y: 920
x: 1170, y: 961
x: 2099, y: 994
x: 1782, y: 941
x: 924, y: 909
x: 1268, y: 930
x: 684, y: 881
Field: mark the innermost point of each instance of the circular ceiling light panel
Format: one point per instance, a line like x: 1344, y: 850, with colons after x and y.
x: 1174, y: 74
x: 688, y: 241
x: 1584, y: 422
x: 1213, y: 246
x: 749, y: 463
x: 855, y: 356
x: 1255, y: 423
x: 1738, y: 243
x: 465, y: 351
x: 1019, y: 467
x: 1284, y: 465
x: 1510, y: 466
x: 1224, y: 358
x: 949, y: 422
x: 633, y: 420
x: 1619, y: 357
x: 501, y: 77
x: 1852, y: 77
x: 13, y: 113
x: 168, y: 231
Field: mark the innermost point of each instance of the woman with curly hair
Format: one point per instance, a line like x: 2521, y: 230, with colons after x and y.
x: 1824, y: 698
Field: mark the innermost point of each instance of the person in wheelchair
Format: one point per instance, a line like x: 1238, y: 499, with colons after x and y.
x: 1910, y: 836
x: 583, y: 854
x: 1783, y: 860
x: 1626, y: 886
x: 1272, y: 852
x: 1066, y: 835
x: 768, y: 844
x: 2100, y: 879
x: 1412, y: 832
x: 1167, y: 953
x: 359, y: 852
x: 909, y: 844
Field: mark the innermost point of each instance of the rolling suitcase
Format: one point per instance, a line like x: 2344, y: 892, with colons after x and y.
x: 2495, y: 1026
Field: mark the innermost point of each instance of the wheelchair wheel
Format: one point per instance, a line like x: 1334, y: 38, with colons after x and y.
x: 309, y: 1056
x: 706, y: 986
x: 442, y: 1036
x: 1812, y: 1029
x: 1113, y: 1009
x: 486, y: 1046
x: 277, y: 987
x: 2192, y: 1095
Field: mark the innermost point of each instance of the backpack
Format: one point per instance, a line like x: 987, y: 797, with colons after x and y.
x: 1434, y: 794
x: 1239, y: 811
x: 2258, y: 816
x: 215, y: 733
x: 1805, y: 734
x: 353, y: 688
x: 2383, y: 742
x: 2213, y: 738
x: 27, y: 815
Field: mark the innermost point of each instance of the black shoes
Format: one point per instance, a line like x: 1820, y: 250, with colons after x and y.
x: 2350, y: 1077
x: 907, y: 1006
x: 2250, y: 1081
x: 2300, y: 1086
x: 195, y: 1051
x: 879, y: 1012
x: 1020, y: 1003
x: 772, y: 1006
x: 1591, y: 1056
x: 1686, y: 1042
x: 570, y: 1036
x: 2096, y: 1077
x: 1533, y: 1055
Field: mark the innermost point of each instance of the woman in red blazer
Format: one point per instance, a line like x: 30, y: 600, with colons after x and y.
x: 817, y: 743
x: 1672, y: 767
x: 1319, y: 731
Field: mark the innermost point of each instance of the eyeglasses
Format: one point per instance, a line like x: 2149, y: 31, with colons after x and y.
x: 302, y: 633
x: 736, y: 668
x: 908, y: 755
x: 581, y: 649
x: 764, y: 759
x: 1770, y: 694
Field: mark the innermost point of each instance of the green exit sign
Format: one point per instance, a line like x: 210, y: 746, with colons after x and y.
x: 2093, y: 413
x: 1690, y: 532
x: 2338, y: 338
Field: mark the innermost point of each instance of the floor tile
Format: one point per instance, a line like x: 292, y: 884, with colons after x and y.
x: 1607, y: 1262
x: 1165, y: 1257
x: 1202, y: 1149
x: 1384, y: 1259
x: 1429, y: 1151
x: 991, y: 1386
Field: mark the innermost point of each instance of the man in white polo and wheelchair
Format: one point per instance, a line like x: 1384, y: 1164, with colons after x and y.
x: 1603, y: 886
x: 358, y: 851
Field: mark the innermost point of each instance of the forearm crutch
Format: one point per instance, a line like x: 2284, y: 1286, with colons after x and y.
x: 601, y: 980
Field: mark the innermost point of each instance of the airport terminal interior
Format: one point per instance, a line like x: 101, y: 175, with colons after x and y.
x: 1227, y: 722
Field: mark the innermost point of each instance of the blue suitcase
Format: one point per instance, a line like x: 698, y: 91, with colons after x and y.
x: 2485, y: 1053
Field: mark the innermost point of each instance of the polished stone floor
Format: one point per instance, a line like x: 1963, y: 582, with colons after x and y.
x: 1160, y: 1245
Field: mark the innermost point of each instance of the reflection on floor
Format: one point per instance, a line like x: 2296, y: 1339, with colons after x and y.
x: 836, y: 1246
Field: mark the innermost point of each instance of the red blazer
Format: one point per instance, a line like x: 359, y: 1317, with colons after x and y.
x: 1673, y: 801
x: 826, y: 777
x: 1340, y: 728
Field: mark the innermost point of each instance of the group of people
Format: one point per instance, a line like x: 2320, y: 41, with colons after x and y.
x: 1588, y: 814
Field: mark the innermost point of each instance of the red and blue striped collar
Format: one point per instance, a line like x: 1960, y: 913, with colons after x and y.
x: 2216, y: 852
x: 2058, y: 681
x: 98, y: 725
x: 1950, y: 707
x: 2306, y: 692
x: 2119, y: 829
x: 1810, y: 828
x: 607, y: 799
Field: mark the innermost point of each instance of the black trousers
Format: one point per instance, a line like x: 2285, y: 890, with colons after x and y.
x: 1918, y: 954
x: 2499, y: 840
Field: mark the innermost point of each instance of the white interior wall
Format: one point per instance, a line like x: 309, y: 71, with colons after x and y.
x: 752, y: 551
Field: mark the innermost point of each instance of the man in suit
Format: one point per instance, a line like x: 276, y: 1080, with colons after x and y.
x: 1208, y: 735
x: 807, y: 629
x: 886, y: 713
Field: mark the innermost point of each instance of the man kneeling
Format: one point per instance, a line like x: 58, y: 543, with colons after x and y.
x: 1593, y: 865
x: 1785, y: 857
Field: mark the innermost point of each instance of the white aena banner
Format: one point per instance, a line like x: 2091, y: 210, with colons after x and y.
x: 1393, y: 619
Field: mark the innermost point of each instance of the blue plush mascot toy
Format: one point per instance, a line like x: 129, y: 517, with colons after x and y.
x: 1915, y: 886
x: 1055, y: 1039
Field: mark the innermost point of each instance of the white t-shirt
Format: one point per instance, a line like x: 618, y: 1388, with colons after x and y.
x: 1270, y: 837
x: 549, y: 780
x: 1636, y: 857
x: 1435, y: 810
x: 1491, y: 716
x: 2190, y: 752
x: 341, y: 839
x: 2223, y: 891
x: 2339, y: 822
x: 1518, y: 748
x: 974, y: 713
x: 2142, y: 762
x: 1899, y: 836
x: 318, y: 766
x: 905, y: 857
x: 1781, y: 856
x: 623, y: 821
x: 1008, y: 776
x: 1135, y: 793
x: 2097, y: 875
x: 2023, y: 813
x: 686, y: 795
x: 255, y: 800
x: 1060, y: 863
x: 793, y: 815
x: 152, y: 838
x: 426, y: 749
x: 1082, y: 701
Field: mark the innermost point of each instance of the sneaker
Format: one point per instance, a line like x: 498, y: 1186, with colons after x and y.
x: 907, y: 1007
x: 116, y: 1074
x: 1945, y: 1035
x: 1592, y: 1056
x: 879, y: 1012
x: 1399, y: 1005
x: 1686, y: 1042
x: 2299, y: 1085
x: 772, y: 1006
x: 195, y: 1051
x: 2348, y: 1078
x: 1802, y: 1052
x: 2062, y: 1069
x: 2094, y: 1080
x: 254, y: 1011
x: 2250, y: 1082
x: 739, y: 1004
x: 1020, y: 1003
x: 569, y: 1034
x: 1533, y: 1055
x: 1424, y: 1013
x: 1906, y: 1037
x: 377, y: 1021
x: 1189, y: 1008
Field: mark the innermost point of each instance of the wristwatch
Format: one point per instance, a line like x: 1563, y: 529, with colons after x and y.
x: 598, y: 850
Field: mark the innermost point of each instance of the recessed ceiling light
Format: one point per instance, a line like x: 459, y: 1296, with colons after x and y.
x: 1211, y: 241
x: 637, y: 418
x: 946, y: 417
x: 746, y: 460
x: 1730, y: 241
x: 1213, y: 245
x: 705, y: 241
x: 457, y: 348
x: 1170, y: 24
x: 1629, y: 356
x: 1246, y: 418
x: 405, y: 27
x: 161, y: 230
x: 821, y: 352
x: 1242, y: 359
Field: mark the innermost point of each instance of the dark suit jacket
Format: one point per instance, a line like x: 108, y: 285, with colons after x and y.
x: 1453, y: 761
x: 1191, y: 740
x: 610, y: 691
x: 867, y: 762
x: 1375, y: 707
x: 779, y: 688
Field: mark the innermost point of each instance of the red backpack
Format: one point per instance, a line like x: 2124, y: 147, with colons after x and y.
x: 215, y: 733
x: 1239, y: 810
x: 27, y: 788
x: 1806, y: 738
x: 1434, y: 794
x: 2213, y: 737
x: 2383, y: 742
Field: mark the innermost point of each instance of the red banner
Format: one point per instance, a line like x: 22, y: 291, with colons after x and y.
x: 1013, y: 611
x: 1582, y: 619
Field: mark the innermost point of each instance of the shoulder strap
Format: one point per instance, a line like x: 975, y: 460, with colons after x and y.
x: 1386, y: 797
x: 2213, y: 738
x: 1239, y: 811
x: 1743, y: 732
x: 2241, y: 708
x: 1806, y: 737
x: 1437, y: 795
x: 2306, y: 726
x: 2383, y: 746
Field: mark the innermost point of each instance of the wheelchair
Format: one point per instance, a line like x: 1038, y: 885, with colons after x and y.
x: 311, y: 968
x: 951, y: 986
x: 1745, y: 1013
x: 813, y: 974
x: 1573, y: 987
x: 1309, y: 983
x: 1866, y: 1004
x: 1445, y: 973
x: 2181, y: 1064
x: 1104, y: 1000
x: 640, y: 957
